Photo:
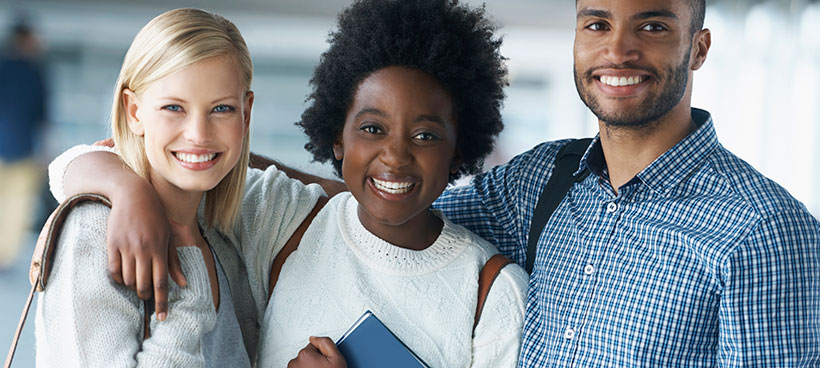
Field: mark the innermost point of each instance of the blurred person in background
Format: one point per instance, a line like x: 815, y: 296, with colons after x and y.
x: 22, y: 118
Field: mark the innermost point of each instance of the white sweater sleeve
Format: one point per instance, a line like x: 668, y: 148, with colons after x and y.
x: 86, y: 320
x: 273, y: 207
x: 497, y: 339
x: 58, y: 167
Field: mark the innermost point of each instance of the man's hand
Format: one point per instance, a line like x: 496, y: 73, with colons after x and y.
x: 321, y: 353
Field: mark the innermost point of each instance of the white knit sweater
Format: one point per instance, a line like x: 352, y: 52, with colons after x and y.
x: 427, y: 298
x: 86, y: 320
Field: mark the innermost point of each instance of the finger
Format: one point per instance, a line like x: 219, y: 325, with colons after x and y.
x: 108, y: 142
x: 129, y: 272
x: 175, y: 268
x: 325, y: 346
x: 160, y: 289
x: 115, y: 266
x: 144, y: 278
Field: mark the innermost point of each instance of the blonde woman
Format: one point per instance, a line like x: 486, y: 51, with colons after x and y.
x: 180, y: 119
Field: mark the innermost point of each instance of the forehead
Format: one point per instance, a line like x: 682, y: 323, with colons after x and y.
x: 630, y: 8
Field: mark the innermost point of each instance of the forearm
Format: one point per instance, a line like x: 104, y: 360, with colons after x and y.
x: 331, y: 186
x: 103, y: 173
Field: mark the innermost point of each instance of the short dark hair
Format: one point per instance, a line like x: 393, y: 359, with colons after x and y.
x: 443, y: 38
x: 698, y: 8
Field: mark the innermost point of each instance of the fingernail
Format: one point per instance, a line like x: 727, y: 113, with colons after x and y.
x: 161, y: 316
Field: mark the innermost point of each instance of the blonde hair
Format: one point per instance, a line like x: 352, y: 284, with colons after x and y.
x: 168, y: 43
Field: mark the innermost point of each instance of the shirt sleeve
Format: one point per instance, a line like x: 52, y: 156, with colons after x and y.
x: 489, y: 207
x: 58, y: 167
x: 273, y: 207
x: 86, y: 320
x: 497, y: 339
x: 770, y: 303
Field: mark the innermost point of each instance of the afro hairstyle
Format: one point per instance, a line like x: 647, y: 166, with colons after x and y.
x: 450, y: 41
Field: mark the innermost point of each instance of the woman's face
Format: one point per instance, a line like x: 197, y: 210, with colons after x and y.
x: 398, y: 146
x: 193, y: 122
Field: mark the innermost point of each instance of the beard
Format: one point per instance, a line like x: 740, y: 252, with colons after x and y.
x: 654, y: 107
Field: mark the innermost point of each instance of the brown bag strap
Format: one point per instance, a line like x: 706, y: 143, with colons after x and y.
x: 43, y: 258
x: 292, y: 244
x: 486, y: 278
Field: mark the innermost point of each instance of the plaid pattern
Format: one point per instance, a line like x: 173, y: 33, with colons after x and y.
x: 699, y: 261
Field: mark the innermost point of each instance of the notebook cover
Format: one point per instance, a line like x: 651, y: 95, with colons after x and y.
x: 369, y: 344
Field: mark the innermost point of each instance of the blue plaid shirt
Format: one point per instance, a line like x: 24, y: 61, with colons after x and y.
x: 699, y: 261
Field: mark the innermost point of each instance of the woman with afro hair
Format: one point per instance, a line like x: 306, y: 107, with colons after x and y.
x: 404, y: 101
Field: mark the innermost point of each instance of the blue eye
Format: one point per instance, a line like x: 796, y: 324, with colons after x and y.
x: 223, y: 108
x: 172, y: 108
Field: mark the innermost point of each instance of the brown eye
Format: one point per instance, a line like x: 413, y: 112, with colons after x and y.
x: 371, y: 129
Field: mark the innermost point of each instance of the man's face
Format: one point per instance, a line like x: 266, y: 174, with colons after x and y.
x: 632, y: 58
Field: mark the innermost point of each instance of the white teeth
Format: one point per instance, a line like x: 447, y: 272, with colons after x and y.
x: 392, y: 187
x: 621, y: 81
x: 192, y: 158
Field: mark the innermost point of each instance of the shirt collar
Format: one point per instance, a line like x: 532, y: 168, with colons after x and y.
x: 671, y: 167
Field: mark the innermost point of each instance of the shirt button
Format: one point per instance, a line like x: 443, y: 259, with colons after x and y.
x: 589, y: 269
x: 569, y: 334
x: 611, y: 207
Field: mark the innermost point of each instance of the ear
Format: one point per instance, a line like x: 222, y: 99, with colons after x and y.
x: 701, y: 43
x: 247, y: 110
x: 455, y: 164
x: 132, y: 107
x: 338, y: 148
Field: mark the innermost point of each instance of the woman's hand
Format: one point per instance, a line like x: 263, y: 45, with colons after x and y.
x: 321, y: 353
x: 140, y: 254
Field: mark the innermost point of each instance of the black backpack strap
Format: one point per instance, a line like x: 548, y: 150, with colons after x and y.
x: 561, y: 180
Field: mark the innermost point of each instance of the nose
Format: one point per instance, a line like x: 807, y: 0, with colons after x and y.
x: 622, y: 47
x: 198, y: 129
x: 396, y: 152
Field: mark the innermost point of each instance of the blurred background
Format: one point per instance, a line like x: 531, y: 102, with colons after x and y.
x: 761, y: 82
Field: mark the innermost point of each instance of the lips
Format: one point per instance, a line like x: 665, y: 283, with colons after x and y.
x: 197, y: 160
x: 622, y: 81
x: 194, y: 158
x: 393, y: 187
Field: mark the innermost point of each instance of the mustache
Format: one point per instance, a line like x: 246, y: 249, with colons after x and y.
x: 652, y: 71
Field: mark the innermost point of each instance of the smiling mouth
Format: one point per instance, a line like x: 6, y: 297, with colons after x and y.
x: 622, y: 81
x: 194, y: 159
x: 393, y: 187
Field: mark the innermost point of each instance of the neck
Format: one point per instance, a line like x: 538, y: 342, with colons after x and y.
x: 180, y: 206
x: 629, y: 150
x: 417, y: 233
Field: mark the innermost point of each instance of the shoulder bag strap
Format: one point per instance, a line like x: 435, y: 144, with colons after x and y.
x: 44, y: 256
x: 486, y: 278
x: 554, y: 192
x: 292, y: 244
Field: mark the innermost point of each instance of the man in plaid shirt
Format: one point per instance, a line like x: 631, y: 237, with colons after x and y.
x: 673, y: 251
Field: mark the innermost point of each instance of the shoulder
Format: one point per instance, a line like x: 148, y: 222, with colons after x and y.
x: 85, y: 222
x: 762, y: 194
x: 777, y: 215
x: 538, y: 159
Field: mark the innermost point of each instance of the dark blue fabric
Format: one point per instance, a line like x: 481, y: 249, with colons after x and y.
x: 22, y: 107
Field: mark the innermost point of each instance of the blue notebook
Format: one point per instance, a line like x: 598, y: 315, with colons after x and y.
x: 369, y: 344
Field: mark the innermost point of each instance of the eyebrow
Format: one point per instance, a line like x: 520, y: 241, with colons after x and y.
x: 370, y: 110
x: 586, y: 12
x: 434, y: 118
